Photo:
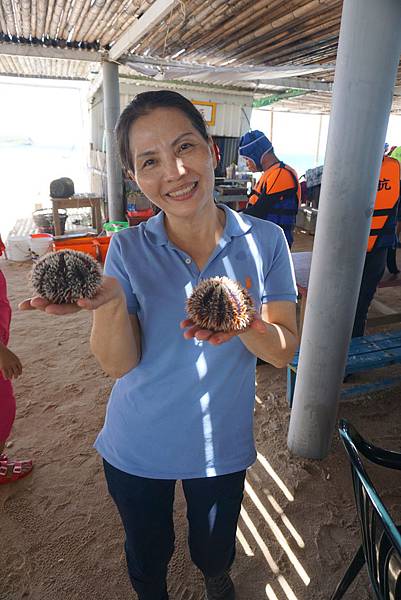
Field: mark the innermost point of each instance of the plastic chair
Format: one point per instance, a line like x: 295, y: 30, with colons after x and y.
x: 381, y: 538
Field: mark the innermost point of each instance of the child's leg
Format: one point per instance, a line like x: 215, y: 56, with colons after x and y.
x: 7, y: 410
x: 5, y: 311
x: 7, y: 400
x: 10, y: 470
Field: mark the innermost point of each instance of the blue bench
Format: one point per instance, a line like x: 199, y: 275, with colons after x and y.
x: 365, y: 353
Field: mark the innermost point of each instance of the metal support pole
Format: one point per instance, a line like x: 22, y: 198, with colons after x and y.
x: 271, y: 125
x: 111, y: 100
x: 367, y: 61
x: 318, y: 140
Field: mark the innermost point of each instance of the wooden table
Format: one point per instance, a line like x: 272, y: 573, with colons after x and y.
x: 92, y: 201
x: 302, y: 264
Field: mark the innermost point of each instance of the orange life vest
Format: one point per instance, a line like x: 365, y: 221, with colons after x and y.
x: 276, y: 198
x: 277, y: 178
x: 388, y: 193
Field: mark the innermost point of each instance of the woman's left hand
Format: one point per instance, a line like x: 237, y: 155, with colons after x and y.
x: 218, y: 337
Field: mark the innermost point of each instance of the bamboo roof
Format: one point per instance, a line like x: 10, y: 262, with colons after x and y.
x: 69, y: 38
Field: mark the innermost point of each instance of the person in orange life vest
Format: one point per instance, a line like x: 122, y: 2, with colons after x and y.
x: 277, y: 194
x: 394, y: 152
x: 386, y: 214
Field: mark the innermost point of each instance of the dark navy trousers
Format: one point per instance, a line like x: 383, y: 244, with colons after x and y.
x: 146, y: 510
x: 375, y: 264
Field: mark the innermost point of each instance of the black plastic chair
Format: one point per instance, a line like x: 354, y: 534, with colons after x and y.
x: 381, y: 538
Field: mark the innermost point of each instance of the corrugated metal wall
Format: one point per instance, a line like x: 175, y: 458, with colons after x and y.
x: 232, y: 119
x: 97, y: 120
x: 228, y: 147
x: 233, y: 111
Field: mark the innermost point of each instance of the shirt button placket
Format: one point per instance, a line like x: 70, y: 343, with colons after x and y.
x: 191, y: 266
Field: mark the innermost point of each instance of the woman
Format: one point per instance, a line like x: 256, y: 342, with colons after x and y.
x: 182, y: 406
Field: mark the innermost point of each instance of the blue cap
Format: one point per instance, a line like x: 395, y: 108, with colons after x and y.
x: 255, y: 145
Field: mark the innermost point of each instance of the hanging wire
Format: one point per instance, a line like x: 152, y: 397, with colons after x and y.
x: 183, y: 13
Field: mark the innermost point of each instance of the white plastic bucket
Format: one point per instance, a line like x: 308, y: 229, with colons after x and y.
x: 18, y: 248
x: 41, y: 243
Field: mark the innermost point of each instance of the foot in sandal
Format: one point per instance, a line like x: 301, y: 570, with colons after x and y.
x: 13, y: 470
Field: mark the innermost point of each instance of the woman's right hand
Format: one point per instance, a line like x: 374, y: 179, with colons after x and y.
x: 109, y: 291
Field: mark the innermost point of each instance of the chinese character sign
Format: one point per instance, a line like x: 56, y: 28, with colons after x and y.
x: 384, y: 184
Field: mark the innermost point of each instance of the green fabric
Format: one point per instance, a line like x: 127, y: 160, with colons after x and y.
x: 396, y: 153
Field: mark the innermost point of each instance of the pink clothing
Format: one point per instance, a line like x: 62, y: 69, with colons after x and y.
x: 5, y: 311
x: 7, y: 408
x: 7, y: 400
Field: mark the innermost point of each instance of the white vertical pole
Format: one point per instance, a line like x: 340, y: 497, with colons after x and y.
x: 318, y: 140
x: 271, y: 125
x: 367, y: 61
x: 111, y: 100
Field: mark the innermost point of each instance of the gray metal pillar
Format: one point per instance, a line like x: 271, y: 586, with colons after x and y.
x: 367, y: 60
x: 271, y: 125
x: 319, y: 134
x: 111, y: 102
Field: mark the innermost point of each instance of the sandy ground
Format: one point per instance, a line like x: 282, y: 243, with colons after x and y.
x: 61, y: 538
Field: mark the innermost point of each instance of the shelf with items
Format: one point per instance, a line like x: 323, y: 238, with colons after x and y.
x: 137, y: 206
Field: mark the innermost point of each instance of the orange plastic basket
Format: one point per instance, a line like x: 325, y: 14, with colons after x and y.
x: 135, y: 217
x: 95, y: 246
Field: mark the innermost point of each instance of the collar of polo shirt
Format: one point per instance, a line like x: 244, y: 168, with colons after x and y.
x: 234, y: 227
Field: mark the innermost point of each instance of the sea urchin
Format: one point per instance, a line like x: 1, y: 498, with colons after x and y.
x: 64, y: 276
x: 220, y: 304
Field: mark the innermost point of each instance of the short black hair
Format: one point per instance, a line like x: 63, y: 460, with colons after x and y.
x: 141, y: 106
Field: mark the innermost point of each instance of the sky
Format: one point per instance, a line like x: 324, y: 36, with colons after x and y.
x: 295, y: 136
x: 48, y: 112
x: 53, y: 116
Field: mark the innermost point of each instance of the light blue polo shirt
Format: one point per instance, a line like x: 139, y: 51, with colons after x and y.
x: 186, y: 410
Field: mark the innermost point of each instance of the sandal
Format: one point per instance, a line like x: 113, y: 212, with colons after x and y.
x: 16, y: 467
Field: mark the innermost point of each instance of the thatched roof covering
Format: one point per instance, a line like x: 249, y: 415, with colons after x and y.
x: 37, y: 38
x: 257, y: 31
x: 54, y: 68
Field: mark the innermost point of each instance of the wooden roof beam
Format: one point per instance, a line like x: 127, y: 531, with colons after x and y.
x: 300, y: 84
x: 36, y: 51
x: 154, y: 14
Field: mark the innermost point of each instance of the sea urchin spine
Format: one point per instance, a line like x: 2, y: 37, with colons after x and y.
x: 65, y: 276
x: 220, y: 304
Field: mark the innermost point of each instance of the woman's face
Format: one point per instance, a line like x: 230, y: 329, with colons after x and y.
x: 174, y: 165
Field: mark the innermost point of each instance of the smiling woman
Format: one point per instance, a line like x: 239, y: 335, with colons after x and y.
x: 175, y: 169
x: 182, y: 405
x: 166, y: 149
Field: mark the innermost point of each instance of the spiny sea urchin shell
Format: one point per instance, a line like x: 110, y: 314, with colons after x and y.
x: 220, y: 304
x: 64, y: 276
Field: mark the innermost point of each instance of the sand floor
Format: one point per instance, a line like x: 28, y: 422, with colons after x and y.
x: 61, y: 538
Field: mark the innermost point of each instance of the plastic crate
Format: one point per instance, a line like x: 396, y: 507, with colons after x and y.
x: 138, y: 216
x: 95, y: 246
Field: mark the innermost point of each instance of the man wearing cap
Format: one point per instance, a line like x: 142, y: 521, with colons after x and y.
x: 277, y: 194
